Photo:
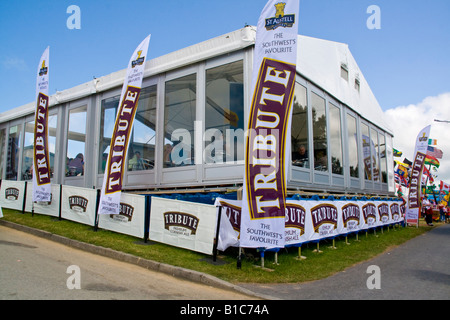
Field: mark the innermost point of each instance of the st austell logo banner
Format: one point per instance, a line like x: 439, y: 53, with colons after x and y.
x: 268, y: 139
x: 114, y: 173
x: 41, y: 160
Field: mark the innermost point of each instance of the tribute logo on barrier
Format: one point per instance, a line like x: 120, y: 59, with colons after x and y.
x: 113, y: 180
x: 413, y: 206
x: 268, y: 141
x: 41, y: 160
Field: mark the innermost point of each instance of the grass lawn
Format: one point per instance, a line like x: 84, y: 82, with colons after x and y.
x: 288, y: 270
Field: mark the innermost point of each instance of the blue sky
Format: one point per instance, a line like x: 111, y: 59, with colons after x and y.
x: 405, y: 62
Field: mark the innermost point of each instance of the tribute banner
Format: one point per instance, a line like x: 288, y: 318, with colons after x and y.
x: 113, y: 180
x: 413, y: 205
x: 268, y: 139
x: 314, y: 220
x: 41, y: 161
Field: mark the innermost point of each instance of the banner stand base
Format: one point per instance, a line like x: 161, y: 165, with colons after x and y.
x: 300, y: 257
x: 318, y: 249
x: 333, y: 245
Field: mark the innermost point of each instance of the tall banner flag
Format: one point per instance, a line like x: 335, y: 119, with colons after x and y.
x: 268, y: 139
x: 113, y: 179
x: 413, y: 205
x: 41, y: 160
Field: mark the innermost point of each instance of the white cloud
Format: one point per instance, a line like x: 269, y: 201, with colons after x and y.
x: 14, y: 63
x: 407, y: 121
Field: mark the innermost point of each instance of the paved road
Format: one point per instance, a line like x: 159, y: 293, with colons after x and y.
x: 35, y: 268
x: 416, y: 270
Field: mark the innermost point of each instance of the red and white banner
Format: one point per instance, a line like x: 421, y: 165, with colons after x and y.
x: 268, y: 139
x: 413, y: 205
x: 444, y: 186
x: 41, y: 161
x: 117, y: 159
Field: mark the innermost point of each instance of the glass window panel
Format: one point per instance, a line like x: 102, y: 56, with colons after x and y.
x: 366, y: 151
x: 299, y: 138
x: 336, y: 140
x: 179, y: 117
x: 344, y: 72
x: 76, y: 142
x: 375, y: 155
x: 352, y: 146
x: 52, y: 128
x: 2, y: 150
x: 27, y: 155
x: 319, y: 132
x: 141, y: 151
x: 107, y: 122
x: 383, y: 158
x: 224, y: 114
x: 12, y: 161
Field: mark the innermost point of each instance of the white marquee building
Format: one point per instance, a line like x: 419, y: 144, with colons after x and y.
x: 189, y: 127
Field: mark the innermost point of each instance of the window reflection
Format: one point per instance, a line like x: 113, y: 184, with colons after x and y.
x: 107, y: 122
x: 76, y: 142
x: 28, y: 149
x: 299, y: 138
x: 224, y: 114
x: 319, y: 133
x: 141, y: 152
x: 179, y: 118
x: 12, y: 162
x: 383, y: 158
x: 352, y: 146
x: 366, y: 151
x: 336, y: 139
x: 2, y: 150
x: 375, y: 155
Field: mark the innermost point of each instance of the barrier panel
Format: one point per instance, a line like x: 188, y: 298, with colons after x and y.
x: 187, y: 225
x: 45, y: 208
x: 79, y: 205
x: 13, y: 195
x: 130, y: 220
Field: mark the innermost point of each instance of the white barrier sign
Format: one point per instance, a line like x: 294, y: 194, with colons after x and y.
x: 12, y: 194
x: 183, y: 224
x: 131, y: 217
x: 49, y: 208
x: 78, y: 204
